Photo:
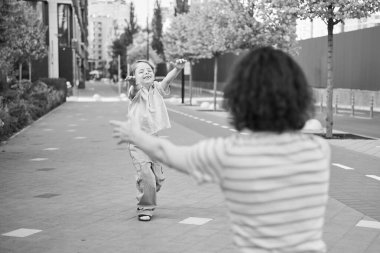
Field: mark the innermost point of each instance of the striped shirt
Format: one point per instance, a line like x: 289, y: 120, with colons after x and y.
x: 148, y: 108
x: 275, y: 186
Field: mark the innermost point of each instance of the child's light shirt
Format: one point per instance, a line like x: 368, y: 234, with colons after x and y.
x: 275, y: 186
x: 148, y: 108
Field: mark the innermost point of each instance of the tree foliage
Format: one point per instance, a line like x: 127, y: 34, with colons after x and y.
x: 264, y: 23
x: 157, y: 44
x: 216, y: 27
x: 120, y: 45
x: 132, y: 26
x: 22, y: 35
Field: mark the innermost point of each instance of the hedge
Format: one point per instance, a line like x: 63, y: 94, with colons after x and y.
x: 25, y: 102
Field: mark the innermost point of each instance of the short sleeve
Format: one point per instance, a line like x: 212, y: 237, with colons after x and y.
x: 130, y: 93
x: 204, y: 161
x: 161, y: 90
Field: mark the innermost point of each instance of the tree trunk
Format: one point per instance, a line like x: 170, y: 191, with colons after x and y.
x: 191, y: 82
x: 330, y: 83
x: 30, y: 70
x: 20, y: 72
x: 215, y: 78
x: 3, y: 81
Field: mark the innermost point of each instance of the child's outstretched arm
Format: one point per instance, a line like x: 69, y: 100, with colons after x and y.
x: 134, y: 88
x: 178, y: 66
x: 158, y: 149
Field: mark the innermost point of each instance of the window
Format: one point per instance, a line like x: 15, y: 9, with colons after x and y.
x: 64, y: 25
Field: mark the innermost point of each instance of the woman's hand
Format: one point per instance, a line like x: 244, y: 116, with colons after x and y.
x: 126, y: 131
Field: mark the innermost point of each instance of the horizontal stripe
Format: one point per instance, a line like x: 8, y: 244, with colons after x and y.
x: 272, y: 150
x: 273, y: 173
x: 284, y: 222
x: 268, y: 183
x: 263, y: 162
x: 308, y: 245
x: 239, y: 211
x: 276, y: 197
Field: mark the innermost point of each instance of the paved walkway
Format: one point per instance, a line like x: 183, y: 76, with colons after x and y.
x: 65, y: 186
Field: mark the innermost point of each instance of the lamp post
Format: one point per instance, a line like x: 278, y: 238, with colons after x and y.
x: 74, y: 43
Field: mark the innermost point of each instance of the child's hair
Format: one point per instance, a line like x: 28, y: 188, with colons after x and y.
x: 268, y: 91
x: 134, y: 65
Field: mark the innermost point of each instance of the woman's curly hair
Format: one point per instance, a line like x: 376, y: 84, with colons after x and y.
x: 268, y: 91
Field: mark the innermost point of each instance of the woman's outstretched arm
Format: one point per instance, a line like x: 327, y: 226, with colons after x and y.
x: 158, y: 149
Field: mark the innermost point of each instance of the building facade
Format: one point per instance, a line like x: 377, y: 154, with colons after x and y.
x: 307, y: 29
x: 66, y: 39
x: 107, y: 20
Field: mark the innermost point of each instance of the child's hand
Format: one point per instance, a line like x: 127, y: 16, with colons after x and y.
x: 179, y: 63
x: 131, y: 80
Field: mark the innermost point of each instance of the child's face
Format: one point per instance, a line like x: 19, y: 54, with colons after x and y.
x: 144, y: 74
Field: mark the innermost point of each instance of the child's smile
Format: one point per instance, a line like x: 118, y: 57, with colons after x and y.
x: 144, y: 74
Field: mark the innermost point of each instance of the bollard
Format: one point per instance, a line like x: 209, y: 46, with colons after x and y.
x: 371, y: 108
x: 353, y: 104
x: 336, y: 104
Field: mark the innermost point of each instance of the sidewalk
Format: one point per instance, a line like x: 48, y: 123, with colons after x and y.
x: 67, y: 180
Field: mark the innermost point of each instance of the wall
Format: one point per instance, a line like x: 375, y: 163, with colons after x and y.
x: 356, y: 62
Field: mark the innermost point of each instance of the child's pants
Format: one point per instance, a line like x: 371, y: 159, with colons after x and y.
x: 149, y: 178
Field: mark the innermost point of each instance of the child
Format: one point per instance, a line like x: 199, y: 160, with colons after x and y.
x: 275, y: 180
x: 147, y: 109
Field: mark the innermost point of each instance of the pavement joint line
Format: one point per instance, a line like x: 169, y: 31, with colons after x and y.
x: 368, y: 224
x: 51, y: 149
x: 38, y: 159
x: 374, y: 177
x: 22, y: 232
x: 342, y: 166
x: 80, y: 137
x: 195, y: 221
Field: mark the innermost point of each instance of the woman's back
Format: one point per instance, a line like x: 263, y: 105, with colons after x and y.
x: 276, y: 188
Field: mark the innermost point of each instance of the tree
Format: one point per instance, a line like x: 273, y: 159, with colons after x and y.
x: 132, y: 27
x: 120, y: 45
x: 157, y: 44
x: 22, y: 36
x: 216, y: 27
x: 333, y: 12
x: 33, y: 46
x: 203, y: 32
x: 179, y: 42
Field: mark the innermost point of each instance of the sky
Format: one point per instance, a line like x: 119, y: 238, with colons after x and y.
x: 142, y: 7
